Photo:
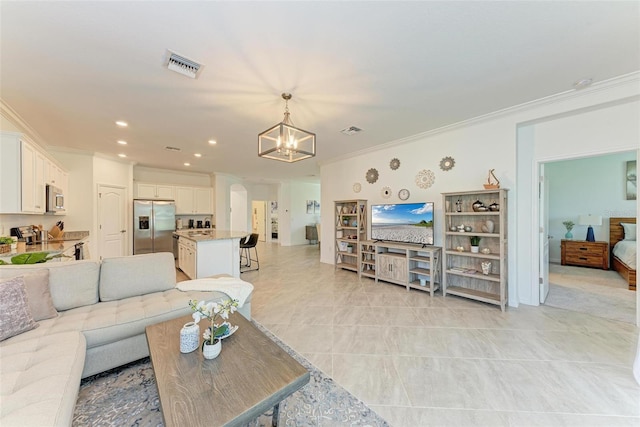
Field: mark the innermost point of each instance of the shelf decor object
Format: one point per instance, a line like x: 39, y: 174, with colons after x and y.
x: 447, y: 163
x: 492, y: 181
x: 284, y: 141
x: 569, y: 225
x: 394, y: 164
x: 590, y: 220
x: 482, y: 275
x: 350, y: 230
x: 425, y: 178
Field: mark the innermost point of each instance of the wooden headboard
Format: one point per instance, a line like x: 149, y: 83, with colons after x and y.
x: 616, y: 232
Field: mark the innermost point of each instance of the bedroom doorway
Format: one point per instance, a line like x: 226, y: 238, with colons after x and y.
x: 577, y: 186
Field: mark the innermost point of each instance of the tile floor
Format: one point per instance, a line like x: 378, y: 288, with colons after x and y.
x: 422, y: 361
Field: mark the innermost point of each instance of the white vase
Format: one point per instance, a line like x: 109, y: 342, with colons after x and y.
x: 211, y: 351
x: 189, y: 337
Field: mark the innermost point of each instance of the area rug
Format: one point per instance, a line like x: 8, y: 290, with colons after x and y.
x: 128, y: 396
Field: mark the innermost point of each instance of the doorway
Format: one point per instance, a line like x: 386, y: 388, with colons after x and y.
x: 259, y: 219
x: 596, y: 291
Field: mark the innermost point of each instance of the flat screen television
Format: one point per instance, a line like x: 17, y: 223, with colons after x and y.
x: 403, y: 222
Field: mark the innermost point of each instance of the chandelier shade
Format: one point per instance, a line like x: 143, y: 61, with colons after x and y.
x: 285, y: 142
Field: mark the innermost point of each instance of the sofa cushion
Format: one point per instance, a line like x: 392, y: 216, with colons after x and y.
x: 39, y: 295
x: 72, y: 284
x: 40, y: 379
x: 129, y: 276
x: 15, y: 314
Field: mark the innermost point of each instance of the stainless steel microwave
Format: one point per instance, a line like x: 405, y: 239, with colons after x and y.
x: 55, y: 199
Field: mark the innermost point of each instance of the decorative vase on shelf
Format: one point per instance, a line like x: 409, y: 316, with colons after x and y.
x: 568, y: 235
x: 475, y: 249
x: 211, y: 351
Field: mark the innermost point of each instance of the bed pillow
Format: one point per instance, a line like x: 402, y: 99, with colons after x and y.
x: 15, y: 314
x: 629, y: 230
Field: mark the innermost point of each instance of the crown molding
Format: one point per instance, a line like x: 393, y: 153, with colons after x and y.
x: 12, y: 116
x: 603, y: 86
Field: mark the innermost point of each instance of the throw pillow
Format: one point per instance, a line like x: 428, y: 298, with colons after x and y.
x: 39, y: 295
x: 15, y: 314
x: 629, y: 230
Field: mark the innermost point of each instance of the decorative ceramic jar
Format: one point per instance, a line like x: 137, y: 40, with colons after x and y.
x: 485, y: 251
x: 467, y: 228
x: 211, y: 351
x: 189, y: 337
x: 494, y: 207
x: 477, y: 205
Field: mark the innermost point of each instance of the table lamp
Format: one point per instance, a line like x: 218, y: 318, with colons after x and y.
x: 590, y: 220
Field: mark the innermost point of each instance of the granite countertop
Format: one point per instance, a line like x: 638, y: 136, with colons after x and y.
x: 53, y: 246
x: 209, y: 234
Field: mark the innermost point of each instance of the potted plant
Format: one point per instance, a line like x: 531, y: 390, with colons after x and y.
x: 212, y: 344
x: 475, y: 242
x: 569, y: 225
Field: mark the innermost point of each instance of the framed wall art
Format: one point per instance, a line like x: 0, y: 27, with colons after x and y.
x: 631, y: 182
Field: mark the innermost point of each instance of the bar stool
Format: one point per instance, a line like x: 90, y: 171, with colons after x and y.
x: 245, y: 246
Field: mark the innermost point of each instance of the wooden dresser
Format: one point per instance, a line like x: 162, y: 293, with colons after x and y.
x: 585, y: 254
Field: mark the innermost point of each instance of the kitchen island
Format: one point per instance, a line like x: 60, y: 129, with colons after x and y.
x: 207, y: 252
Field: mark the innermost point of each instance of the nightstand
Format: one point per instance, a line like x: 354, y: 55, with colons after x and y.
x: 585, y: 254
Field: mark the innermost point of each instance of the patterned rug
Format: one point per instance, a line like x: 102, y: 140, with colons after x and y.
x: 128, y: 396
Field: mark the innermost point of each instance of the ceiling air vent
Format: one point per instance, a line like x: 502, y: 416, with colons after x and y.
x: 172, y: 148
x: 351, y: 130
x: 182, y: 65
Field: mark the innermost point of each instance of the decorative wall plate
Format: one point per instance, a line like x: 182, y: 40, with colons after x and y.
x: 372, y: 175
x: 357, y: 187
x: 447, y: 163
x: 385, y: 192
x: 403, y: 194
x: 394, y: 164
x: 425, y: 178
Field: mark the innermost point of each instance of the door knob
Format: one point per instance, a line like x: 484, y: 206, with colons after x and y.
x: 123, y: 231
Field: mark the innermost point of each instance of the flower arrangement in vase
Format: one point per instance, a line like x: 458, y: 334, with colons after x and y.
x: 569, y: 225
x: 212, y: 344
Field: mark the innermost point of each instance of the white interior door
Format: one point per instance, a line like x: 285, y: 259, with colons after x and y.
x: 543, y: 206
x: 238, y: 220
x: 112, y: 221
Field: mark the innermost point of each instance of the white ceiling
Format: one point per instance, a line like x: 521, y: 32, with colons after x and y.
x: 394, y: 69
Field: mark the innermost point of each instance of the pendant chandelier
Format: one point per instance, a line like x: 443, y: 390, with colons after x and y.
x: 284, y: 141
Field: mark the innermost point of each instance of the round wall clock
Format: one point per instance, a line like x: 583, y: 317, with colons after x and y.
x: 357, y: 187
x: 447, y: 163
x: 386, y: 192
x: 403, y: 194
x: 372, y: 175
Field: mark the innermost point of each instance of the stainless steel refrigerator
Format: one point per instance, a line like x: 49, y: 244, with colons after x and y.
x: 154, y: 222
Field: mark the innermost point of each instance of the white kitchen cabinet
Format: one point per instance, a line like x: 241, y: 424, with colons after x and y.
x: 187, y: 257
x: 193, y: 200
x: 155, y: 191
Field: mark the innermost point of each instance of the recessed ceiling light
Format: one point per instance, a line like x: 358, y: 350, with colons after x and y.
x: 187, y: 164
x: 122, y: 124
x: 581, y: 84
x: 121, y: 142
x: 213, y: 142
x: 122, y: 155
x: 198, y: 155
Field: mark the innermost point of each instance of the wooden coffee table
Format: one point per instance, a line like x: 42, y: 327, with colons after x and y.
x: 251, y: 375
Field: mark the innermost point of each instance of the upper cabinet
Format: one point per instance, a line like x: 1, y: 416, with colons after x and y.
x: 24, y: 173
x: 189, y: 200
x: 194, y: 201
x: 155, y: 191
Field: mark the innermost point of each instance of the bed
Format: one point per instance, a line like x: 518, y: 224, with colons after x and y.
x: 623, y: 257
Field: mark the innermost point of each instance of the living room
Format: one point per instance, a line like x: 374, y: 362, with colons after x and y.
x: 469, y: 118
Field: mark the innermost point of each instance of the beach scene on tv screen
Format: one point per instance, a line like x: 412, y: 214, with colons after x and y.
x: 403, y: 222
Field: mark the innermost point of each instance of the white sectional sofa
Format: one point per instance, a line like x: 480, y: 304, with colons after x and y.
x: 103, y: 309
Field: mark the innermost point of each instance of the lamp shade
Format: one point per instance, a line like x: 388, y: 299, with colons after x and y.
x: 590, y: 220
